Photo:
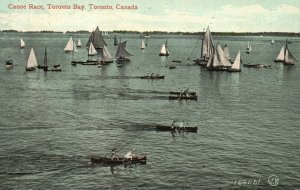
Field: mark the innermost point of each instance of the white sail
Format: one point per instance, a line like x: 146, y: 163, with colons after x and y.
x: 32, y: 62
x: 272, y: 42
x: 207, y: 45
x: 106, y: 55
x: 280, y: 56
x: 143, y: 44
x: 79, y: 43
x: 92, y: 50
x: 22, y: 43
x: 164, y: 50
x: 218, y: 59
x: 70, y: 45
x: 237, y: 62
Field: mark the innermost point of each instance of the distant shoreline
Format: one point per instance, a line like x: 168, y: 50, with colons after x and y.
x: 290, y: 34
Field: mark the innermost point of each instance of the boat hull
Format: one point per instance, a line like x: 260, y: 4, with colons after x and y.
x: 175, y: 128
x: 152, y: 77
x: 118, y: 160
x: 183, y: 97
x: 163, y: 54
x: 30, y: 69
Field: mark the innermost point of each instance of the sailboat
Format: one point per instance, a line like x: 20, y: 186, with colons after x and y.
x: 70, y: 47
x: 236, y: 67
x: 280, y: 57
x: 288, y: 57
x: 206, y: 48
x: 272, y: 41
x: 218, y: 61
x: 97, y: 39
x: 22, y: 45
x: 226, y: 52
x: 105, y: 56
x: 79, y: 43
x: 164, y: 51
x: 115, y: 40
x: 122, y: 55
x: 92, y: 51
x: 248, y: 50
x: 143, y: 44
x: 31, y: 62
x: 55, y: 67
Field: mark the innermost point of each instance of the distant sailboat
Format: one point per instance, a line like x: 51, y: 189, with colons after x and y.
x: 207, y: 47
x: 218, y: 60
x: 164, y: 51
x: 288, y: 57
x: 79, y: 44
x: 273, y: 41
x: 280, y: 57
x: 55, y: 67
x: 143, y: 44
x: 115, y: 40
x: 122, y: 55
x: 22, y: 45
x: 226, y: 52
x: 248, y: 50
x: 31, y: 62
x: 70, y: 47
x: 92, y: 51
x: 236, y: 67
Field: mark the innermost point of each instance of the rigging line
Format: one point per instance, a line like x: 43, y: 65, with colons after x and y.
x: 194, y: 48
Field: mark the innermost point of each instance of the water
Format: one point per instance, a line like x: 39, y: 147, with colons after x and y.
x: 51, y: 123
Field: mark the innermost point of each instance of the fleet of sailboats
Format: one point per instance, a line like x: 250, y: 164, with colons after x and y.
x: 31, y: 62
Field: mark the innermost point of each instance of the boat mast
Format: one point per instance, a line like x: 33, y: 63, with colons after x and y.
x: 202, y: 45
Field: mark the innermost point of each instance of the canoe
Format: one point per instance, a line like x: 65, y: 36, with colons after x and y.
x: 179, y: 129
x: 194, y: 97
x: 177, y: 93
x: 119, y: 160
x: 152, y: 77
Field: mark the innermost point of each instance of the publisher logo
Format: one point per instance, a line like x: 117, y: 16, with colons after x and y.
x: 273, y: 180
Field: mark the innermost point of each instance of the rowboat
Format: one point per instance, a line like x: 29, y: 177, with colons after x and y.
x: 119, y: 160
x: 152, y: 77
x: 175, y: 128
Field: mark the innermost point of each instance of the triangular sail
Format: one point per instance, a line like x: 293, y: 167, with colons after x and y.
x: 218, y: 59
x: 105, y: 54
x: 97, y: 39
x: 163, y: 49
x: 79, y: 43
x: 45, y: 57
x: 70, y: 45
x: 32, y: 62
x: 237, y: 62
x: 280, y: 56
x: 288, y: 57
x: 121, y: 51
x: 22, y: 45
x: 143, y: 44
x: 207, y: 45
x: 92, y: 50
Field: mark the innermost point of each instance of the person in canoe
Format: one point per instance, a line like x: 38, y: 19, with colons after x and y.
x: 129, y: 154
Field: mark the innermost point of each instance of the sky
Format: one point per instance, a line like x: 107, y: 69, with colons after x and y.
x: 155, y: 15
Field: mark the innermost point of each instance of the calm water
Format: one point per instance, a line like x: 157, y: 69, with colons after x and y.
x: 51, y: 123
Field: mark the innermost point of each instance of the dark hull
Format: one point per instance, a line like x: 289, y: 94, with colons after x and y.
x: 52, y: 70
x: 172, y: 67
x: 74, y: 63
x: 177, y: 93
x: 30, y: 69
x: 201, y: 62
x: 278, y: 61
x: 234, y: 70
x: 179, y: 129
x: 161, y: 54
x: 41, y: 67
x: 122, y: 60
x: 152, y: 77
x: 288, y: 63
x: 119, y: 160
x: 176, y: 61
x: 183, y: 98
x: 217, y: 69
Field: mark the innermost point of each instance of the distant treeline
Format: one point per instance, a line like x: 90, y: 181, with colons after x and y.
x: 290, y: 34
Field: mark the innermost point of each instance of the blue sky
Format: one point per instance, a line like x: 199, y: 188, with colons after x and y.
x: 163, y: 15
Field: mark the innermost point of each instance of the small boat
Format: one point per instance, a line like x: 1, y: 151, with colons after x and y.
x: 207, y: 47
x: 280, y: 57
x: 256, y: 66
x: 22, y: 44
x: 164, y: 51
x: 143, y: 44
x: 289, y: 59
x: 153, y: 76
x: 119, y: 160
x: 248, y: 50
x: 9, y: 63
x: 122, y: 55
x: 183, y: 95
x: 31, y: 62
x: 236, y: 67
x: 172, y: 67
x: 176, y: 128
x: 74, y: 62
x: 176, y: 61
x: 272, y: 41
x: 55, y: 68
x: 71, y: 46
x: 79, y: 44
